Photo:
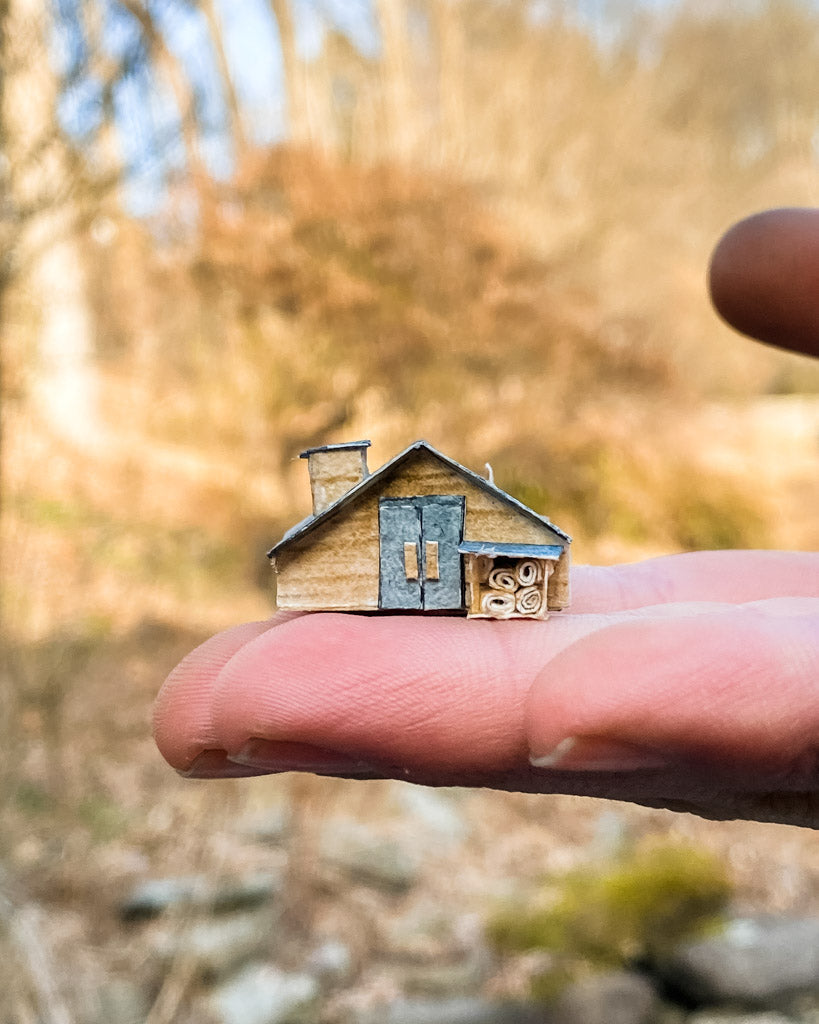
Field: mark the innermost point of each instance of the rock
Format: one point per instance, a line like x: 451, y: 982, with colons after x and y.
x: 262, y: 994
x: 459, y: 977
x: 273, y: 827
x: 156, y: 896
x: 805, y: 1008
x: 433, y: 809
x: 610, y: 838
x: 716, y: 1017
x: 753, y: 962
x: 429, y: 930
x: 120, y: 1000
x: 670, y: 1014
x: 454, y: 1011
x: 152, y: 898
x: 367, y: 857
x: 618, y: 997
x: 331, y: 962
x: 238, y: 893
x: 217, y: 947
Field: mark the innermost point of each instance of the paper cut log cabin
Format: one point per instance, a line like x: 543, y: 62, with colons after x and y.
x: 420, y: 534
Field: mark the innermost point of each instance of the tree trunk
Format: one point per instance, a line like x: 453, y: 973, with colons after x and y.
x: 235, y: 124
x: 446, y: 19
x: 176, y: 77
x: 47, y: 252
x: 5, y: 256
x: 107, y: 158
x: 396, y: 63
x: 297, y: 113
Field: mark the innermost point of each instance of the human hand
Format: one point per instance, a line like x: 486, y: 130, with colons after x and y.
x: 687, y: 682
x: 765, y: 278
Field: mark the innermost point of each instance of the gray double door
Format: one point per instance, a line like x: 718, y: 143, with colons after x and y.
x: 420, y: 565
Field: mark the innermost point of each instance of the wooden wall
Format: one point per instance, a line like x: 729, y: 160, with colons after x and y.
x: 558, y: 594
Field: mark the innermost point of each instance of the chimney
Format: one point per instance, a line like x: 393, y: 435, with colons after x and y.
x: 334, y: 469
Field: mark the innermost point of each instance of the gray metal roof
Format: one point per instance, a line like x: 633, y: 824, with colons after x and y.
x: 308, y: 524
x: 487, y: 547
x: 334, y: 447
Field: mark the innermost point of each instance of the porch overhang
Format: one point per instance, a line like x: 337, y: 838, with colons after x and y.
x: 491, y: 550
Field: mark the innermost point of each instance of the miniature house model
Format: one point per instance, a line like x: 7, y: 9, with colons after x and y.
x: 420, y: 534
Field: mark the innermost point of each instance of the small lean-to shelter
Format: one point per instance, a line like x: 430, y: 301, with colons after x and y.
x: 421, y: 534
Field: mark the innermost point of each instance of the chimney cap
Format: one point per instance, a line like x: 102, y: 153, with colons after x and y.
x: 334, y: 448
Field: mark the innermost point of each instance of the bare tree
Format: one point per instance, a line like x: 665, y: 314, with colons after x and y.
x: 43, y: 193
x: 446, y: 19
x: 175, y: 76
x: 297, y: 113
x: 396, y: 78
x: 5, y: 220
x: 105, y: 150
x: 234, y: 112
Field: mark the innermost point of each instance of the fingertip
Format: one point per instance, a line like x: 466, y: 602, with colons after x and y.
x: 182, y: 711
x: 734, y: 690
x: 764, y: 278
x: 420, y: 692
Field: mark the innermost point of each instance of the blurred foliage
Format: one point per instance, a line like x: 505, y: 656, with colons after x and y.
x: 489, y: 228
x: 189, y: 559
x: 491, y: 232
x: 608, y: 490
x: 635, y: 908
x: 722, y: 514
x: 379, y: 301
x: 102, y: 816
x: 34, y: 799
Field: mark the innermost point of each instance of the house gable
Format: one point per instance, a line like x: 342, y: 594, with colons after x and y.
x: 389, y: 469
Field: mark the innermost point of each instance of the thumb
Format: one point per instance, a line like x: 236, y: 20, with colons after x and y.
x: 729, y: 696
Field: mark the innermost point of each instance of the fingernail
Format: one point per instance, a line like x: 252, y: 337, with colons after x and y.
x: 215, y: 764
x: 274, y: 756
x: 592, y: 754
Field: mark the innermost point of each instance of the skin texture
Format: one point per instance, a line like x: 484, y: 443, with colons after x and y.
x: 687, y: 682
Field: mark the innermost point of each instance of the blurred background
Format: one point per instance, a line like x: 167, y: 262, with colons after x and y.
x: 234, y: 230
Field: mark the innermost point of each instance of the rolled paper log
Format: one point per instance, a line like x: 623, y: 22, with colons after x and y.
x: 503, y: 579
x: 528, y: 601
x: 498, y: 604
x: 527, y: 573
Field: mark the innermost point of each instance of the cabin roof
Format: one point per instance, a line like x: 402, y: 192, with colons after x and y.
x: 301, y: 529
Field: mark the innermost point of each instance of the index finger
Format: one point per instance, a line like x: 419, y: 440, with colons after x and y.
x: 680, y: 688
x: 764, y: 278
x: 733, y: 576
x: 183, y: 717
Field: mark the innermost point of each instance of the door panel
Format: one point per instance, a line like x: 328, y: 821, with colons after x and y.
x: 442, y: 524
x: 399, y: 524
x: 420, y: 566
